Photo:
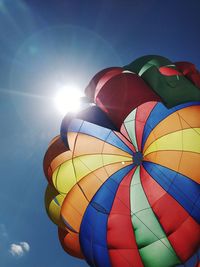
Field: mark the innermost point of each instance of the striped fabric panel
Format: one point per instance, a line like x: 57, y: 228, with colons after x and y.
x: 153, y: 244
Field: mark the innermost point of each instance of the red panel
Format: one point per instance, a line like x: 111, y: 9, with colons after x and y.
x: 186, y: 239
x: 185, y: 67
x: 129, y: 144
x: 182, y: 230
x: 123, y: 93
x: 108, y: 72
x: 189, y: 70
x: 124, y: 258
x: 169, y: 71
x: 142, y: 115
x: 124, y: 132
x: 120, y: 235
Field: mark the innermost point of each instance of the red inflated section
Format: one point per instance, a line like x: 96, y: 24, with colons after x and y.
x: 121, y: 94
x: 182, y: 230
x: 141, y: 117
x: 169, y: 71
x: 121, y: 241
x: 189, y: 71
x: 100, y: 78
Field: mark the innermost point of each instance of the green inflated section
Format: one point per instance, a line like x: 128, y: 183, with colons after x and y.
x: 129, y: 124
x: 173, y: 90
x: 153, y: 245
x: 139, y: 63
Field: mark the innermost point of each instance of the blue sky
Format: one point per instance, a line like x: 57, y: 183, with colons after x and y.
x: 44, y: 45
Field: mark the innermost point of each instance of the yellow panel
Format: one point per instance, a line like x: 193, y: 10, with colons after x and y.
x: 71, y: 171
x: 108, y: 159
x: 187, y: 140
x: 182, y: 119
x: 87, y: 163
x: 64, y: 178
x: 169, y: 125
x: 53, y: 203
x: 60, y: 159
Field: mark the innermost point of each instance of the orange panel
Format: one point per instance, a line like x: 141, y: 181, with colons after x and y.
x: 191, y: 116
x: 190, y: 165
x: 70, y: 243
x: 86, y: 145
x: 73, y: 207
x: 186, y: 162
x: 76, y: 201
x: 182, y: 119
x: 71, y: 138
x: 55, y: 148
x: 113, y: 150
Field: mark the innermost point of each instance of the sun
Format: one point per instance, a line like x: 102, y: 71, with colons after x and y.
x: 68, y: 99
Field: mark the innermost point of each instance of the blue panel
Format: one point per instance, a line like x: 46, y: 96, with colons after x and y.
x: 95, y: 130
x: 96, y: 116
x: 92, y: 114
x: 159, y: 113
x: 113, y: 139
x: 93, y: 231
x: 99, y: 132
x: 180, y: 187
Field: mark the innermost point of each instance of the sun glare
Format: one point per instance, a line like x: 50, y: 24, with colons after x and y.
x: 68, y: 99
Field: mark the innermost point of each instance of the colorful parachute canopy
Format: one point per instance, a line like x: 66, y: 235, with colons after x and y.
x: 124, y: 175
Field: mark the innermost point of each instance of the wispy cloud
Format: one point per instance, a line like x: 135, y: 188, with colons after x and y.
x: 19, y: 249
x: 3, y: 231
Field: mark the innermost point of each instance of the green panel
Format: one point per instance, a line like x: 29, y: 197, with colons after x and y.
x: 156, y: 255
x: 129, y: 124
x: 147, y: 229
x: 173, y: 90
x: 138, y: 64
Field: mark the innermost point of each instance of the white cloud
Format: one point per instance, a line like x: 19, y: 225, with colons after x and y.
x: 19, y: 249
x: 25, y: 246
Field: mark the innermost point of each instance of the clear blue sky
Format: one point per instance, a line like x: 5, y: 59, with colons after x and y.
x: 45, y: 44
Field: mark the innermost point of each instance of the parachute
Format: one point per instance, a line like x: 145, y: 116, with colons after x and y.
x: 123, y: 175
